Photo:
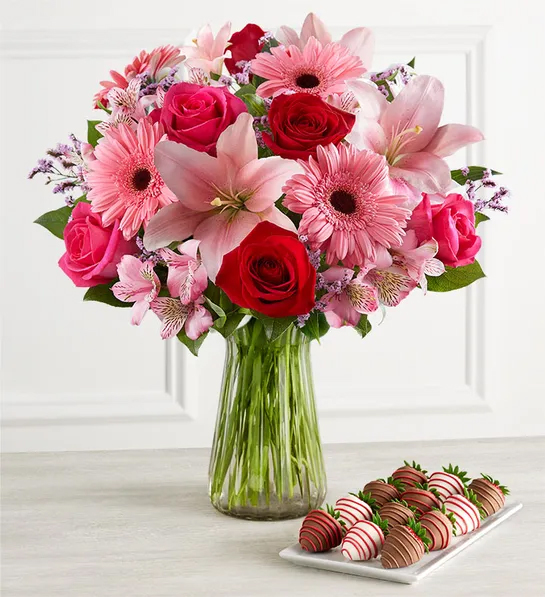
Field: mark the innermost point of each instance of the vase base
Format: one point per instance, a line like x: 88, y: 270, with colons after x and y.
x: 285, y: 510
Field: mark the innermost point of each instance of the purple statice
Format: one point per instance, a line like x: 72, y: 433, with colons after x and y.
x: 301, y: 320
x: 226, y: 81
x: 243, y: 78
x: 480, y: 200
x: 64, y: 167
x: 145, y: 255
x: 266, y: 38
x: 148, y: 86
x: 465, y: 170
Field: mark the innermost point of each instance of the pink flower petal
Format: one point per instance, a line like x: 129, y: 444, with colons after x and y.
x: 198, y: 322
x: 420, y: 103
x: 367, y: 134
x: 361, y: 43
x: 423, y: 170
x: 220, y: 234
x: 451, y: 137
x: 174, y: 222
x: 237, y: 145
x: 172, y: 313
x: 313, y: 26
x: 372, y: 102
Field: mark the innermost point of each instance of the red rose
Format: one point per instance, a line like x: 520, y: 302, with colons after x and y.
x: 301, y: 121
x: 92, y: 251
x: 196, y: 115
x: 244, y: 45
x: 269, y: 272
x: 452, y: 224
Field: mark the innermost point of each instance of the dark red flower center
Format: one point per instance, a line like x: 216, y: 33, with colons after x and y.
x: 307, y: 81
x: 141, y: 179
x: 343, y: 201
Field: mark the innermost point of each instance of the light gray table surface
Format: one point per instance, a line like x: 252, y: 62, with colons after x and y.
x: 138, y: 524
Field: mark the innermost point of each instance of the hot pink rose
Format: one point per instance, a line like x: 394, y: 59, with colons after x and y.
x: 92, y: 251
x: 196, y: 115
x: 452, y: 224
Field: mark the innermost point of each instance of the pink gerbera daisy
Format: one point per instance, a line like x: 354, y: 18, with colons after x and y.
x: 320, y: 70
x: 125, y: 185
x: 348, y: 207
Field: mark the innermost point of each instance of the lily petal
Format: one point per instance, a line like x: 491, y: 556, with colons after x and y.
x: 451, y: 137
x: 237, y: 145
x: 313, y: 26
x: 220, y: 234
x: 188, y: 173
x: 288, y: 37
x: 174, y: 222
x: 367, y: 134
x: 372, y: 102
x: 424, y: 171
x: 275, y: 216
x: 361, y: 43
x: 419, y: 104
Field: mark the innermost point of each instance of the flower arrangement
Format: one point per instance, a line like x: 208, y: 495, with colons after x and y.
x: 267, y: 179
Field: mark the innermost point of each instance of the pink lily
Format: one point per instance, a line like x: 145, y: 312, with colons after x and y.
x: 360, y: 42
x: 347, y: 297
x: 208, y: 52
x: 138, y: 284
x: 187, y: 277
x: 407, y: 132
x: 175, y: 315
x: 221, y: 199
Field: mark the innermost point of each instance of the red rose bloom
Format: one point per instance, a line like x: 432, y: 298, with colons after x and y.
x: 244, y: 46
x: 196, y: 115
x: 269, y: 272
x: 300, y: 122
x: 92, y: 250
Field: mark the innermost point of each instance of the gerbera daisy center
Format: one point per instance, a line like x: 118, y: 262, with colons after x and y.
x: 141, y: 179
x: 307, y: 81
x: 343, y: 201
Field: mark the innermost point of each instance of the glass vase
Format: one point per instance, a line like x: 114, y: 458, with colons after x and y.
x: 267, y: 461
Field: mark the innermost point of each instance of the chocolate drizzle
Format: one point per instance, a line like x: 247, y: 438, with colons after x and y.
x: 421, y: 499
x: 381, y: 492
x: 320, y: 532
x: 409, y: 476
x: 490, y: 496
x: 395, y: 514
x: 438, y: 529
x: 401, y: 548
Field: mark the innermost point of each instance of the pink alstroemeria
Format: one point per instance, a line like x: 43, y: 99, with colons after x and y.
x: 418, y: 260
x: 407, y: 132
x: 138, y: 284
x: 221, y: 199
x: 208, y: 52
x: 175, y: 315
x: 187, y: 277
x: 127, y: 106
x: 360, y: 41
x: 347, y: 297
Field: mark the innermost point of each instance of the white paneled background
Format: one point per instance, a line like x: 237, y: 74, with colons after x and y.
x: 468, y: 364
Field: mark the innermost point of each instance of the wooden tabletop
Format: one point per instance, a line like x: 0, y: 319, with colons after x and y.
x: 139, y: 524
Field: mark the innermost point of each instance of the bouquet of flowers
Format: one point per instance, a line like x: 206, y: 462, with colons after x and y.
x: 267, y: 182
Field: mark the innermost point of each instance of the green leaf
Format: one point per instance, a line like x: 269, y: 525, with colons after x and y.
x: 480, y: 217
x: 255, y: 105
x: 232, y: 322
x: 103, y: 294
x: 55, y: 221
x: 316, y: 326
x: 92, y: 134
x: 274, y: 326
x: 364, y: 326
x: 245, y: 90
x: 256, y: 80
x: 455, y: 277
x: 193, y: 345
x: 411, y: 62
x: 219, y: 321
x: 475, y: 173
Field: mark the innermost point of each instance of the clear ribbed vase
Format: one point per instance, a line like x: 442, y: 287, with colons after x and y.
x: 267, y: 461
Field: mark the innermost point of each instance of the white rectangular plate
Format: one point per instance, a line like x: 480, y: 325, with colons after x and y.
x: 335, y: 561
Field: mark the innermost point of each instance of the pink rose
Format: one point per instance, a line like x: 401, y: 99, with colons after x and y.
x: 452, y: 224
x: 196, y: 115
x: 92, y: 251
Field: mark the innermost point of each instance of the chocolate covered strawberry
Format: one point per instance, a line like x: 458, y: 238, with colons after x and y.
x: 467, y: 511
x: 321, y: 530
x: 404, y: 545
x: 364, y: 540
x: 410, y: 474
x: 422, y: 498
x: 450, y: 481
x: 490, y: 492
x: 384, y: 490
x: 440, y: 525
x: 355, y: 507
x: 396, y: 512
